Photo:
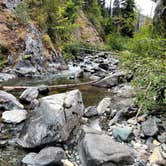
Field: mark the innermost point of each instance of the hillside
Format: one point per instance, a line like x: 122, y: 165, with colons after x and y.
x: 28, y: 49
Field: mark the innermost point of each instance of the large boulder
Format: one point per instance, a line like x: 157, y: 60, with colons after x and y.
x: 53, y: 120
x: 47, y: 156
x: 98, y: 149
x: 29, y: 95
x: 113, y: 79
x: 9, y: 102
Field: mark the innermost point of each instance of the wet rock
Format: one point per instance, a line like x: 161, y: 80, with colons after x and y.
x: 9, y: 102
x: 149, y: 127
x: 97, y: 148
x: 104, y: 66
x: 156, y: 157
x: 162, y: 137
x: 47, y: 156
x: 6, y: 77
x: 111, y: 80
x: 29, y: 95
x: 25, y: 70
x: 90, y: 111
x: 53, y: 120
x: 3, y: 143
x: 14, y: 116
x: 104, y: 106
x: 43, y: 89
x: 122, y: 134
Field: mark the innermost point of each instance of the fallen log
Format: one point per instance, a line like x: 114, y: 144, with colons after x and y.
x: 50, y: 88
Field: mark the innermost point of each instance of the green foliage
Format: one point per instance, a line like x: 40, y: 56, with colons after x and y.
x: 94, y: 13
x: 116, y: 42
x: 147, y: 59
x: 21, y: 12
x: 124, y: 17
x: 55, y: 18
x: 75, y: 48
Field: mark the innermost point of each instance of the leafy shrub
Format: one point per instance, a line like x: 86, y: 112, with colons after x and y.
x: 116, y: 42
x: 147, y: 59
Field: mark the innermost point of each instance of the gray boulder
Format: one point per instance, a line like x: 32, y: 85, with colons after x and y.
x: 98, y: 149
x: 14, y: 116
x: 53, y: 120
x: 104, y: 106
x: 9, y: 102
x: 149, y: 127
x: 6, y: 77
x: 124, y: 91
x: 47, y: 156
x: 112, y: 80
x: 29, y: 95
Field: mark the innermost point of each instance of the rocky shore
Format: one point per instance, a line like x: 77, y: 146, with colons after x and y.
x: 59, y: 130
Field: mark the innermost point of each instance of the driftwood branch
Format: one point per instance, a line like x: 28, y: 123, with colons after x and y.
x: 52, y: 87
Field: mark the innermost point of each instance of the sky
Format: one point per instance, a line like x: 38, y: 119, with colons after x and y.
x: 146, y: 7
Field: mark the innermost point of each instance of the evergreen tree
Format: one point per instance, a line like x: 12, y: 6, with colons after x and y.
x: 129, y: 18
x: 124, y: 16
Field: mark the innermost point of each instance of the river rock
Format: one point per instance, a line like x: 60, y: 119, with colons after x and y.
x: 162, y: 137
x: 43, y: 89
x: 9, y: 102
x: 124, y: 91
x: 163, y: 150
x: 14, y: 116
x: 6, y: 77
x: 104, y: 106
x: 53, y: 120
x: 97, y: 149
x: 90, y: 111
x: 29, y: 159
x: 122, y: 134
x: 67, y: 163
x: 29, y: 95
x: 47, y: 156
x: 111, y: 80
x: 156, y: 158
x: 149, y: 127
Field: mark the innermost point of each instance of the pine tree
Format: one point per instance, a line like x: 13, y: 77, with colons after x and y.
x: 124, y: 16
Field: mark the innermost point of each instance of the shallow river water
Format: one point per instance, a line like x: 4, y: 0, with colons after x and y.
x: 11, y: 155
